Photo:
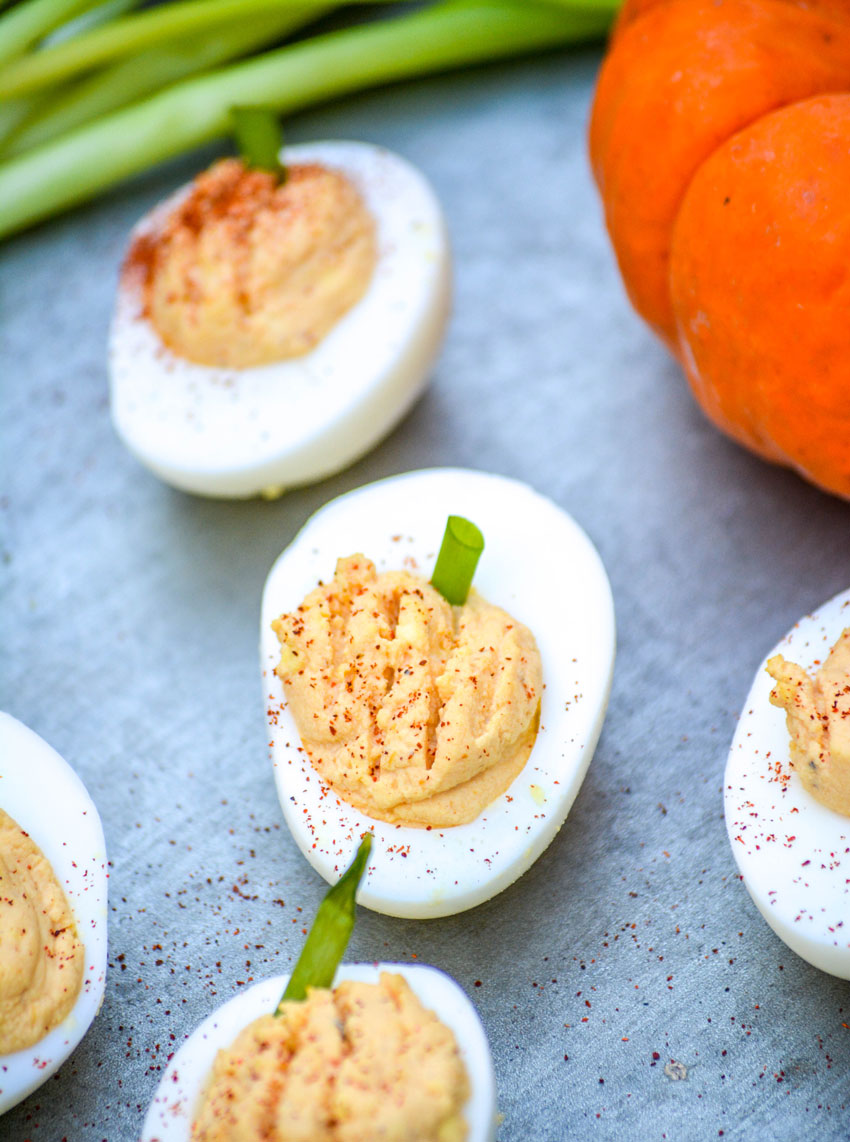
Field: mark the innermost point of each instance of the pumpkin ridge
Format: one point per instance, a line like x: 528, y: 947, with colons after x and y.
x: 678, y: 80
x: 761, y: 287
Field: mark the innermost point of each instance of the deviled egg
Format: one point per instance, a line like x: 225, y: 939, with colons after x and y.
x: 177, y: 1099
x: 542, y: 569
x: 222, y: 430
x: 793, y: 852
x: 50, y: 811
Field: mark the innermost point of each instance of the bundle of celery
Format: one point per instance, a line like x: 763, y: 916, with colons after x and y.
x: 91, y: 92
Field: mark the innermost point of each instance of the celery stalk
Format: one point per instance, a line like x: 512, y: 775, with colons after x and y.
x: 75, y: 167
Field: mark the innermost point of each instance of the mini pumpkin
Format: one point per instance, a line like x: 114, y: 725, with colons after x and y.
x: 720, y: 142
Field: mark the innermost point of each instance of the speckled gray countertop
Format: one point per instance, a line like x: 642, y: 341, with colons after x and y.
x: 130, y: 620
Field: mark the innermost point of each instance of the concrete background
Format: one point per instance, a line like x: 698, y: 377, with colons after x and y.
x: 130, y: 643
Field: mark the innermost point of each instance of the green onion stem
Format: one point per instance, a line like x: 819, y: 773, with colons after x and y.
x: 78, y: 165
x: 15, y: 112
x: 30, y: 20
x: 459, y: 554
x: 105, y: 11
x: 330, y: 932
x: 259, y: 139
x: 135, y: 77
x: 130, y: 34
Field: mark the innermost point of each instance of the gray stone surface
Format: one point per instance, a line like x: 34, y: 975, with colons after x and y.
x: 130, y: 633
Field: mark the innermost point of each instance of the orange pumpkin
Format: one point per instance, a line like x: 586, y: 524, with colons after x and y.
x: 720, y: 142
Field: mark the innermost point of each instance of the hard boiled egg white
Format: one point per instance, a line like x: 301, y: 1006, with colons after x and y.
x: 241, y: 432
x: 793, y: 853
x: 47, y: 799
x: 169, y: 1118
x: 538, y: 565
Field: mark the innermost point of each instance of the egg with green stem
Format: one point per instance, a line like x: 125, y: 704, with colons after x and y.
x: 395, y: 1044
x: 538, y: 566
x: 46, y: 799
x: 221, y: 430
x: 792, y: 851
x: 176, y: 1100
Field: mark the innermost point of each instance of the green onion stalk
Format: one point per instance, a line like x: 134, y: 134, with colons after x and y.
x: 31, y: 20
x: 129, y: 35
x: 105, y: 11
x: 259, y: 139
x: 457, y: 559
x: 14, y: 112
x: 134, y: 77
x: 17, y: 111
x: 75, y: 167
x: 330, y: 931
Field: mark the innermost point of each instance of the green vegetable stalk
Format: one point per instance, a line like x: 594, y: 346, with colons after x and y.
x: 259, y: 139
x: 102, y: 13
x: 31, y: 18
x: 331, y: 930
x: 162, y: 24
x: 136, y: 76
x: 451, y: 34
x: 28, y: 22
x: 458, y: 557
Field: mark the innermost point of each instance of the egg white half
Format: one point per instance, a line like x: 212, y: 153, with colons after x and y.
x: 540, y: 567
x: 169, y: 1118
x: 792, y: 852
x: 47, y: 799
x: 242, y: 432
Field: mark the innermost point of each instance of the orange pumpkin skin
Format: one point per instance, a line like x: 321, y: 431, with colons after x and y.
x: 702, y: 100
x: 631, y: 9
x: 763, y: 309
x: 679, y: 80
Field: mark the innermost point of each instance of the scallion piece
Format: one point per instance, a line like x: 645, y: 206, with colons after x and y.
x: 459, y: 554
x: 328, y: 938
x: 259, y: 139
